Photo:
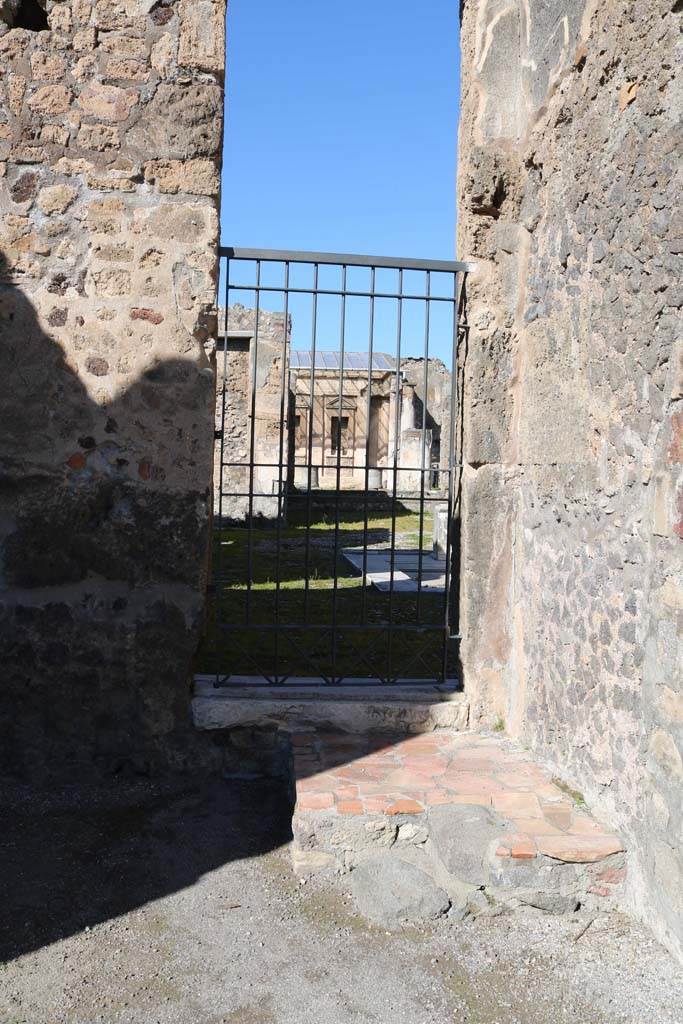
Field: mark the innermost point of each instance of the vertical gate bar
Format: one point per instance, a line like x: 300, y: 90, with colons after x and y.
x: 425, y: 379
x: 368, y: 413
x: 451, y: 477
x: 278, y: 525
x: 458, y: 383
x: 397, y: 425
x: 218, y: 592
x: 335, y: 585
x: 311, y: 413
x: 252, y: 434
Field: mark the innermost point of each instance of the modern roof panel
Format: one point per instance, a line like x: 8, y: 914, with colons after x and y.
x: 300, y: 359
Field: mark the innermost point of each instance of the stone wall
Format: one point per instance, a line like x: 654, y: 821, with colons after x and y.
x: 110, y: 138
x: 573, y: 491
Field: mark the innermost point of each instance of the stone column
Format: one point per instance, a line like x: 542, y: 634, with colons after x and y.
x: 110, y: 141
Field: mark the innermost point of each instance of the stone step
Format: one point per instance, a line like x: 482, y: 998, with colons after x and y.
x: 410, y: 573
x: 302, y: 705
x: 476, y: 816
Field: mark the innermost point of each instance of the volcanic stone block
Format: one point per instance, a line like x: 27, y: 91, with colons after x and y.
x: 462, y: 834
x: 391, y: 891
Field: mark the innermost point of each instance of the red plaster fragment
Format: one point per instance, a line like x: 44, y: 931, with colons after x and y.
x: 405, y: 806
x: 675, y: 451
x: 314, y: 801
x: 151, y: 315
x: 349, y: 807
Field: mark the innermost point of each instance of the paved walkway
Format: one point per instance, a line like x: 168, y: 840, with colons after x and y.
x: 408, y: 570
x: 348, y: 776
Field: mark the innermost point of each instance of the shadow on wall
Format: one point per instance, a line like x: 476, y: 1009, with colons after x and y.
x: 104, y: 545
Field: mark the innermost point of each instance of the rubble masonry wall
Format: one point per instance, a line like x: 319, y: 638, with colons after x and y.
x: 573, y: 487
x: 110, y: 141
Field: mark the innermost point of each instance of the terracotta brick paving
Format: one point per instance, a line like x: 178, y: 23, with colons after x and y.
x: 359, y: 775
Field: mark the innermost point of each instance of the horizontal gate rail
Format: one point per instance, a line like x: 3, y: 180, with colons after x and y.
x: 327, y: 477
x: 342, y: 259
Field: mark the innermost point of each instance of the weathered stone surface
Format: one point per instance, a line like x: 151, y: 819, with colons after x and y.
x: 552, y: 903
x: 129, y: 70
x: 184, y: 122
x: 24, y: 187
x: 50, y: 99
x: 462, y: 835
x: 195, y: 177
x: 573, y: 487
x: 99, y: 136
x: 202, y: 35
x: 226, y: 709
x: 56, y: 198
x: 391, y: 891
x: 108, y: 102
x: 46, y: 67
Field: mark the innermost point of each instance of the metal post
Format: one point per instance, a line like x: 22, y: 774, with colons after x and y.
x: 283, y: 421
x: 252, y: 438
x: 340, y: 407
x: 425, y: 384
x: 397, y: 427
x: 368, y: 415
x: 311, y: 417
x: 218, y: 590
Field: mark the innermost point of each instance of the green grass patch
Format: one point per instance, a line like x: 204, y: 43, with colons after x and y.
x: 575, y: 795
x: 299, y: 578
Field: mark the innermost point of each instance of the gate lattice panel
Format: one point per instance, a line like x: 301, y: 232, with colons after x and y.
x: 336, y: 469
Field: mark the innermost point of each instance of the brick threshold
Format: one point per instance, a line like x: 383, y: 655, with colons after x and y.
x: 355, y: 791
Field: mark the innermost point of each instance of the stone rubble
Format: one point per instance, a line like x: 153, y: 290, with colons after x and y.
x: 473, y: 813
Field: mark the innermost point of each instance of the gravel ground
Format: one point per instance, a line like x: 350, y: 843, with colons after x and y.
x: 146, y: 904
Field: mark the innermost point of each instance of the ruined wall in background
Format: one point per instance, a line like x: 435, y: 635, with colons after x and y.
x: 438, y: 399
x: 573, y: 491
x: 234, y: 376
x: 110, y: 138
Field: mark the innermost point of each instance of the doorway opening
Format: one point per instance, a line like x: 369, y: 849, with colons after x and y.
x: 334, y: 467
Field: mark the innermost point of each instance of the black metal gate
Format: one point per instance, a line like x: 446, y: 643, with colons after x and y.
x: 335, y: 470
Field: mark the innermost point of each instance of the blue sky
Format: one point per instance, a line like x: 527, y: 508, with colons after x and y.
x: 341, y: 127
